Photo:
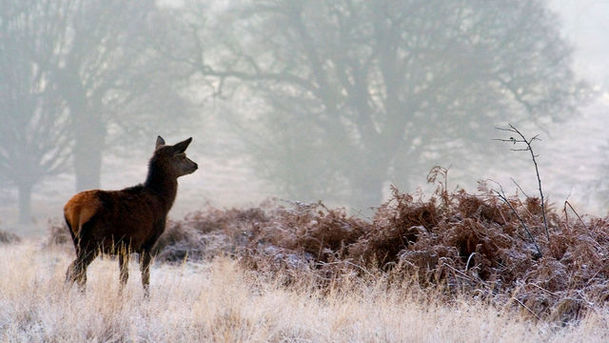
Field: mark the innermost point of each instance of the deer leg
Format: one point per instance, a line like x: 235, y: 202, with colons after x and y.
x: 74, y: 267
x: 77, y: 271
x: 123, y: 263
x: 73, y: 270
x: 145, y: 259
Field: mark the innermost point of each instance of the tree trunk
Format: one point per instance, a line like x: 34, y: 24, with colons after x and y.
x: 25, y: 199
x: 87, y: 126
x: 89, y: 144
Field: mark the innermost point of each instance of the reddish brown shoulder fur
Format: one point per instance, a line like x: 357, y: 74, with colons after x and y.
x: 81, y: 208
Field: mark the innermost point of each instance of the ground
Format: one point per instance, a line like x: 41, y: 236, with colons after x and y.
x: 220, y: 302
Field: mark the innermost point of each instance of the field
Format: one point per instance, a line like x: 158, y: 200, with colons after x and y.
x: 448, y: 267
x: 220, y: 301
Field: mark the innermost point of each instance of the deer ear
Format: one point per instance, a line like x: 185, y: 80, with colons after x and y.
x: 181, y: 147
x: 159, y: 142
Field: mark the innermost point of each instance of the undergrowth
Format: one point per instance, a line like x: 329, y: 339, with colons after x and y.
x: 8, y: 237
x: 456, y: 242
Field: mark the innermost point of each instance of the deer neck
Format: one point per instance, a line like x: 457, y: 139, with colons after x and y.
x: 162, y: 185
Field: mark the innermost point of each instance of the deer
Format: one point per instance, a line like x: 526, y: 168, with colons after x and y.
x: 122, y: 222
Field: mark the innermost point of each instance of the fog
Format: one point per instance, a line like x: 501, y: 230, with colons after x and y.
x: 300, y: 101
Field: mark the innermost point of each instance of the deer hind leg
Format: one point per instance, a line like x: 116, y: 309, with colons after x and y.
x: 123, y: 263
x: 145, y: 259
x: 77, y: 271
x: 72, y: 272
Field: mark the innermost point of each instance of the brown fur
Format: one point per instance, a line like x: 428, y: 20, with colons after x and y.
x: 126, y: 221
x: 81, y: 208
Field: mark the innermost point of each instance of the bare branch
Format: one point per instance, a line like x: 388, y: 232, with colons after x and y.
x: 529, y: 148
x: 503, y: 197
x: 567, y: 203
x: 520, y: 188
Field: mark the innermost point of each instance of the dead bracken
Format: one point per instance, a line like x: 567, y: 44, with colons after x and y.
x: 8, y: 237
x: 459, y: 243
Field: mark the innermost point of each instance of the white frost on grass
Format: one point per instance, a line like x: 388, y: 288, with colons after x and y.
x: 219, y: 302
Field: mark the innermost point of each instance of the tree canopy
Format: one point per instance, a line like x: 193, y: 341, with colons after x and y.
x: 354, y: 94
x: 34, y: 130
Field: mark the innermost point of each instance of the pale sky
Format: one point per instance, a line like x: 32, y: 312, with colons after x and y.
x: 586, y: 25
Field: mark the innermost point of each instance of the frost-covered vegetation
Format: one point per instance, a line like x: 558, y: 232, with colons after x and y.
x: 449, y: 266
x: 456, y: 245
x: 221, y: 301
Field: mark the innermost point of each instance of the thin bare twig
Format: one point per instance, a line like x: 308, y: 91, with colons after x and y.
x: 572, y: 209
x: 526, y: 308
x: 520, y: 188
x: 529, y: 148
x: 468, y: 260
x: 502, y: 196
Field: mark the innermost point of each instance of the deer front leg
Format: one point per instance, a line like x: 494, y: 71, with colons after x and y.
x: 145, y: 260
x: 123, y: 263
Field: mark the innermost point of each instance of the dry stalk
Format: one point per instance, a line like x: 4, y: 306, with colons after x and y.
x: 523, y: 140
x: 503, y: 197
x: 527, y: 308
x: 567, y: 203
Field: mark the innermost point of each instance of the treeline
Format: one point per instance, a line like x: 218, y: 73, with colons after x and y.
x: 326, y: 100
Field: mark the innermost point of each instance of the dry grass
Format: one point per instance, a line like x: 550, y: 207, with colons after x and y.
x: 451, y: 244
x: 219, y: 301
x: 454, y: 244
x: 445, y: 267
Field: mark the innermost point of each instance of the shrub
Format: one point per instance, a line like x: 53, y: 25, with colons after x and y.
x: 459, y: 243
x: 8, y: 237
x: 58, y: 233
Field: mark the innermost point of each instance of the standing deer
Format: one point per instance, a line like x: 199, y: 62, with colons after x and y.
x: 126, y: 221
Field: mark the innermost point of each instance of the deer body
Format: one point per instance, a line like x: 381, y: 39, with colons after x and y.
x: 129, y: 220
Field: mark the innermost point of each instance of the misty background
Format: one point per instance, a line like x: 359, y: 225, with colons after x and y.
x: 306, y: 101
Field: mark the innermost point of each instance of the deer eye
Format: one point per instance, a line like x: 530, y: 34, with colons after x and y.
x: 181, y: 155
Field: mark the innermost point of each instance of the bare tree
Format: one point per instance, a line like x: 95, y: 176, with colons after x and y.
x: 104, y: 69
x: 351, y: 94
x: 34, y: 139
x: 76, y: 77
